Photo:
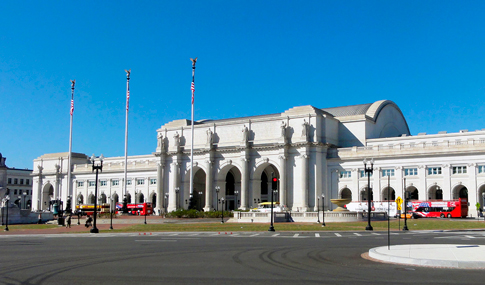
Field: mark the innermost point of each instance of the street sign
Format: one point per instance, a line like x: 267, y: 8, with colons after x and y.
x: 399, y: 203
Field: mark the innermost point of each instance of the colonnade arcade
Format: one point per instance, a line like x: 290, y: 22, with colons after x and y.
x: 230, y: 184
x: 435, y: 192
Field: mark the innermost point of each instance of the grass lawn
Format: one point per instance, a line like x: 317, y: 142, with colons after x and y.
x: 419, y: 224
x: 413, y: 224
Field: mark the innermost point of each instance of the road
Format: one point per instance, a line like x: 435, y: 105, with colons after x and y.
x: 222, y: 258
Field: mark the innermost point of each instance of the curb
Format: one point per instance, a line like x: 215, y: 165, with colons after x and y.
x: 457, y: 255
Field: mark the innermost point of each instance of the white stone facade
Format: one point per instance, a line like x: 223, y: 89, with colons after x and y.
x: 306, y: 148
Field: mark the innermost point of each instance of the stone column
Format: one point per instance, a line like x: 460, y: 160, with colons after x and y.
x: 173, y: 203
x: 160, y: 181
x: 447, y: 191
x: 283, y: 174
x: 40, y: 197
x: 208, y: 186
x: 304, y: 182
x: 244, y: 184
x: 473, y: 194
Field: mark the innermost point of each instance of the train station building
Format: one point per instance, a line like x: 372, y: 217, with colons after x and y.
x: 311, y: 151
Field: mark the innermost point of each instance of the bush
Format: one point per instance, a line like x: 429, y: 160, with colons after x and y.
x: 192, y: 214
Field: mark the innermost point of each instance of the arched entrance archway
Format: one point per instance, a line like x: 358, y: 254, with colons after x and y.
x: 128, y: 198
x: 460, y: 191
x: 435, y: 193
x: 346, y: 194
x: 102, y: 199
x: 80, y: 199
x: 115, y: 199
x: 199, y: 190
x: 388, y: 195
x: 363, y: 195
x: 413, y: 193
x: 47, y: 196
x: 139, y: 198
x: 91, y: 199
x: 153, y: 199
x: 264, y: 185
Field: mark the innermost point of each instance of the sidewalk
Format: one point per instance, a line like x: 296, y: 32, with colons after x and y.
x: 433, y: 255
x: 103, y: 224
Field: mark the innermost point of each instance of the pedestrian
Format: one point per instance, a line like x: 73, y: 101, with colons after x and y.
x: 88, y: 221
x: 68, y: 221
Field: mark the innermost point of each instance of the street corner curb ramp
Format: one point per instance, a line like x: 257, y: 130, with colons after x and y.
x: 460, y: 256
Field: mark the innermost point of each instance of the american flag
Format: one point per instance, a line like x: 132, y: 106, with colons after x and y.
x: 192, y: 87
x: 72, y: 106
x: 127, y: 100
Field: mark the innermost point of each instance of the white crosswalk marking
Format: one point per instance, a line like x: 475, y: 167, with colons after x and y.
x: 317, y: 235
x: 296, y: 235
x: 359, y: 235
x: 337, y: 234
x: 254, y: 235
x: 275, y: 235
x: 376, y: 234
x: 469, y: 237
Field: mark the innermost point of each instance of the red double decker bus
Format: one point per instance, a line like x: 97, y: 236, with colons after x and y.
x: 136, y: 209
x: 438, y: 208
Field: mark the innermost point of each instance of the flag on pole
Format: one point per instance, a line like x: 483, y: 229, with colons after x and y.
x: 192, y: 87
x: 72, y: 106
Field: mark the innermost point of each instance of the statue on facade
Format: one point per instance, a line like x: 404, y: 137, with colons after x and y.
x: 283, y: 130
x: 160, y: 142
x: 176, y: 138
x: 245, y: 134
x: 210, y: 138
x: 305, y: 130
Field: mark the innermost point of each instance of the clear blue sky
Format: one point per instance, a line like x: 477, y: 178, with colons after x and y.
x: 255, y: 57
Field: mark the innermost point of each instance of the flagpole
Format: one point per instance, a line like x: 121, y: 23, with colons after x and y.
x: 192, y: 87
x: 126, y: 127
x: 69, y: 188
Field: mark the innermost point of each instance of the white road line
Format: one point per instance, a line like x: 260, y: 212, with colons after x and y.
x: 254, y: 235
x: 359, y: 235
x: 170, y: 240
x: 469, y: 236
x: 317, y: 235
x: 337, y: 234
x: 296, y: 235
x: 376, y: 234
x: 275, y: 235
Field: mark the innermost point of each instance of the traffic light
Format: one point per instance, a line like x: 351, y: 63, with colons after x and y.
x: 274, y: 184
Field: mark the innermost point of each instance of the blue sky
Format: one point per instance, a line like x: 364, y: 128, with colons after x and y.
x: 255, y: 57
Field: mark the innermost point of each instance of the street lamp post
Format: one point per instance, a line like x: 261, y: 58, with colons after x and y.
x: 78, y: 211
x: 369, y: 169
x: 6, y: 201
x: 25, y: 200
x: 318, y: 210
x: 323, y: 210
x: 111, y: 212
x: 217, y: 197
x: 177, y: 189
x: 222, y: 216
x: 145, y: 209
x: 406, y: 197
x: 98, y: 168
